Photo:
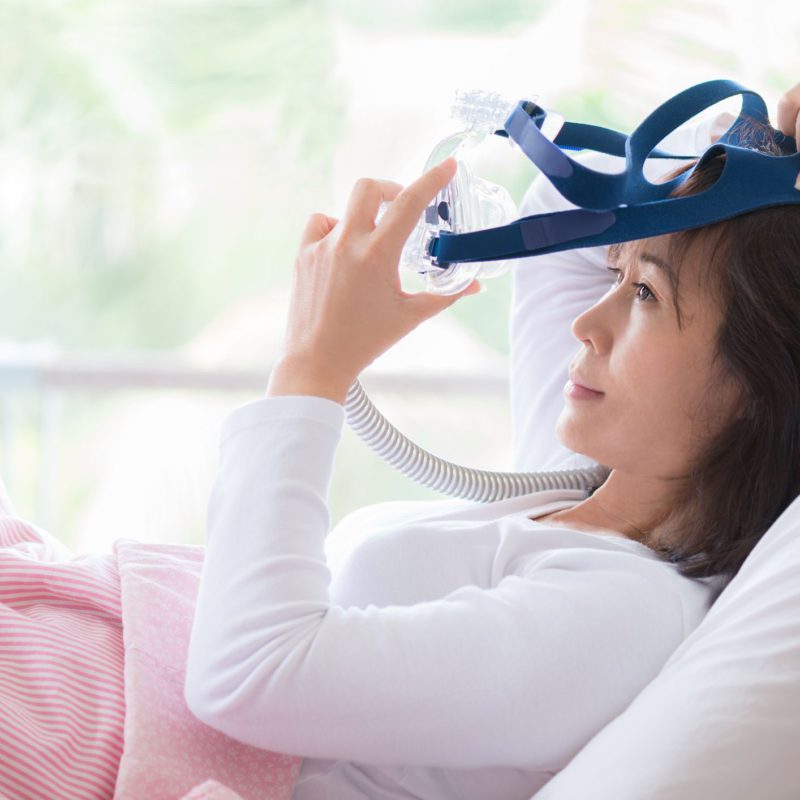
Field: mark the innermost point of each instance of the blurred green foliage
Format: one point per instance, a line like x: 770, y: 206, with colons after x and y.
x: 450, y: 16
x: 109, y: 105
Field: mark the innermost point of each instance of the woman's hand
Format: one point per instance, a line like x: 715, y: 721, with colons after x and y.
x: 347, y: 305
x: 789, y: 113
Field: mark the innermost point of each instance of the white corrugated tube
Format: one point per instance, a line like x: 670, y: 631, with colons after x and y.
x: 443, y: 476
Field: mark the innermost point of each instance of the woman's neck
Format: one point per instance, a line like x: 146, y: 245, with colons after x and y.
x: 629, y: 504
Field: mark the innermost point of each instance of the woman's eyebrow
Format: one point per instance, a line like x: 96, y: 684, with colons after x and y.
x: 656, y: 260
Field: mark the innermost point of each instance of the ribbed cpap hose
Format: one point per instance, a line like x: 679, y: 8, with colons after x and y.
x: 453, y: 479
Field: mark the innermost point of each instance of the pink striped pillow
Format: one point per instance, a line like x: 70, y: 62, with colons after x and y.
x: 62, y: 706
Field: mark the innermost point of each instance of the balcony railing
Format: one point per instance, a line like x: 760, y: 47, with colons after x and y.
x: 49, y: 375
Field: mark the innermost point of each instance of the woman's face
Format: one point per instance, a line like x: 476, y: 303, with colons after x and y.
x: 661, y: 395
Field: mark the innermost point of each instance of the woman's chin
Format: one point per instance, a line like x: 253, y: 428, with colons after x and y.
x: 571, y: 437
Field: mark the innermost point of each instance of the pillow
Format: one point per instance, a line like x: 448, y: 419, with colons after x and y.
x: 167, y: 751
x: 722, y: 718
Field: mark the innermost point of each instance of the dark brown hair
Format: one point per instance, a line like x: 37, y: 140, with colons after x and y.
x: 749, y: 471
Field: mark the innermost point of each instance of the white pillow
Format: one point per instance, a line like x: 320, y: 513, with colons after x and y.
x: 722, y: 718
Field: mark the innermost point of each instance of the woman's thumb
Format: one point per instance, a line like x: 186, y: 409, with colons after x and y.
x: 429, y: 304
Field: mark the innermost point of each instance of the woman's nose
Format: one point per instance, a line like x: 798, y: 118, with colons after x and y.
x: 593, y: 326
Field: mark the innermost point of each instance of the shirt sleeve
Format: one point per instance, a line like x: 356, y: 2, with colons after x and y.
x: 520, y: 674
x: 548, y: 293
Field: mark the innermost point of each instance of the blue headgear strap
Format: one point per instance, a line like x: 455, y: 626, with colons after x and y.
x: 623, y: 206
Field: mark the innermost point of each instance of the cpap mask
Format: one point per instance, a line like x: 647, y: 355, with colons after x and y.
x: 472, y: 230
x: 468, y: 202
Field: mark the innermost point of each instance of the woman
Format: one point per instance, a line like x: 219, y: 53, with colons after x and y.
x: 464, y: 650
x: 470, y: 645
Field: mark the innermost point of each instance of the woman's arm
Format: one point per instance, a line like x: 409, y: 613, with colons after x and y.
x: 521, y: 671
x: 548, y: 292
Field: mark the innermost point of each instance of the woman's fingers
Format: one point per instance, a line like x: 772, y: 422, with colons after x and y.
x: 404, y: 210
x: 362, y: 207
x: 402, y: 215
x: 789, y: 113
x: 317, y: 227
x: 365, y: 200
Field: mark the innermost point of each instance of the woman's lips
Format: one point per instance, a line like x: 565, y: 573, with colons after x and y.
x: 578, y: 380
x: 578, y: 392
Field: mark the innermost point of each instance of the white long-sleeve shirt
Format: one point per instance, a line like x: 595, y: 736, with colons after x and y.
x: 440, y: 649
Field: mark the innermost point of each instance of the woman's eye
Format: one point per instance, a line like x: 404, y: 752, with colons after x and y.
x: 639, y: 286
